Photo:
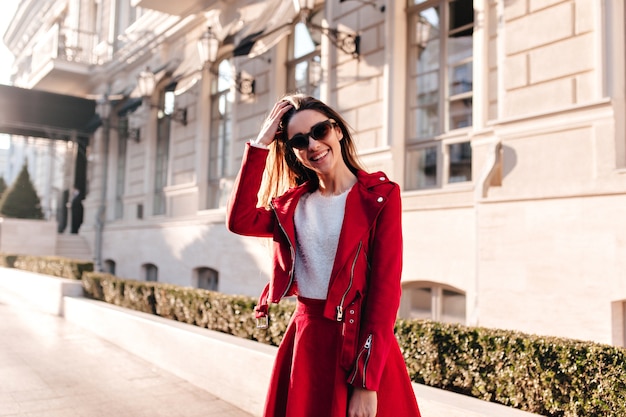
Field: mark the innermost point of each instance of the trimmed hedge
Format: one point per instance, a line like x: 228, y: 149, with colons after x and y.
x: 544, y: 375
x: 550, y: 376
x: 231, y: 314
x: 7, y: 260
x: 52, y: 265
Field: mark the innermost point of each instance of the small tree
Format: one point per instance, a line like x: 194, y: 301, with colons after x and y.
x: 3, y: 186
x: 21, y: 200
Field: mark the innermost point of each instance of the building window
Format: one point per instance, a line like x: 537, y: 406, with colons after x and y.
x: 120, y: 178
x: 162, y: 155
x: 430, y: 301
x: 304, y: 68
x: 440, y: 91
x: 109, y: 266
x: 221, y: 137
x: 206, y: 278
x: 150, y: 272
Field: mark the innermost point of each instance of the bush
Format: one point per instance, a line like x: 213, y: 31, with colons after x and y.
x: 53, y: 265
x: 550, y: 376
x: 7, y: 260
x: 544, y: 375
x: 21, y: 200
x: 212, y: 310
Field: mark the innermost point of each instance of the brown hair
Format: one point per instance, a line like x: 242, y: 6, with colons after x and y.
x: 283, y: 169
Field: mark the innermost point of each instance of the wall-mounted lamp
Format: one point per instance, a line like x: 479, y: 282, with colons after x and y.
x: 146, y: 83
x: 208, y: 46
x: 349, y: 43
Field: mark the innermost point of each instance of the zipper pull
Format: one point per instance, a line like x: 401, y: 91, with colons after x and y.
x: 368, y: 342
x: 339, y: 313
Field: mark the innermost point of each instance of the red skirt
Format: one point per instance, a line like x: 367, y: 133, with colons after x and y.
x: 307, y: 380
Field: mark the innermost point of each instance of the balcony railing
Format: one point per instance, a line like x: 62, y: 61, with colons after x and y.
x: 71, y: 45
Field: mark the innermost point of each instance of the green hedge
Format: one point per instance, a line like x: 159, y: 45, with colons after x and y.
x: 544, y: 375
x: 7, y: 260
x: 212, y: 310
x: 48, y: 265
x: 53, y: 265
x: 551, y: 376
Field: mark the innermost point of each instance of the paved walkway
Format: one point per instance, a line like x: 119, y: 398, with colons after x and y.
x: 50, y: 368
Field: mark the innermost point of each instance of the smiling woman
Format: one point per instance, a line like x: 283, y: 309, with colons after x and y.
x: 337, y: 246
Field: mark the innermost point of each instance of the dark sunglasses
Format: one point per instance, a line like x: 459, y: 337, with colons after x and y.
x: 318, y: 131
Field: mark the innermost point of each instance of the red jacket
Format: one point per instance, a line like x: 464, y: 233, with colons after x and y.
x: 364, y: 289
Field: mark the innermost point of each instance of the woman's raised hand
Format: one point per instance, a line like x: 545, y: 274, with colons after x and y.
x: 270, y: 126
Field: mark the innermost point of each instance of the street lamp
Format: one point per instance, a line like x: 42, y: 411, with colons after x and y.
x: 208, y: 46
x: 146, y: 83
x: 349, y: 43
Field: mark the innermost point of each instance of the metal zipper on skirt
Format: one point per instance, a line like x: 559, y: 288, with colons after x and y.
x: 345, y: 294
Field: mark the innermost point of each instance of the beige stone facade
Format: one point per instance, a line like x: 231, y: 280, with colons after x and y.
x: 502, y: 120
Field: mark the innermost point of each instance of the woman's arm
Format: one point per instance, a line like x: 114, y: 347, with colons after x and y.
x: 242, y: 214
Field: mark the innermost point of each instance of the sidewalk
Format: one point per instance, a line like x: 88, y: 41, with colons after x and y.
x: 50, y: 368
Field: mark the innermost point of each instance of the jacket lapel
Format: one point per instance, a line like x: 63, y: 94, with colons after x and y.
x: 362, y: 207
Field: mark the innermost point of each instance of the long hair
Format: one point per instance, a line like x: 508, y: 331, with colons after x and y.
x: 283, y: 170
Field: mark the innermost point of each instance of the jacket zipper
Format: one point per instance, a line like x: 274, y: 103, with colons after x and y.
x: 291, y: 250
x: 345, y: 294
x: 367, y: 348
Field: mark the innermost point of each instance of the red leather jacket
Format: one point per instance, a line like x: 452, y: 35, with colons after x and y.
x: 364, y: 289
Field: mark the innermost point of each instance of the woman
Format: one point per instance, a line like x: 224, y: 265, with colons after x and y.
x: 337, y: 240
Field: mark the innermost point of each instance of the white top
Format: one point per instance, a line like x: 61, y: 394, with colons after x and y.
x: 318, y: 221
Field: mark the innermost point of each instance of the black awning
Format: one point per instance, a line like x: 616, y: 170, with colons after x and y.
x: 129, y: 106
x: 44, y: 114
x: 245, y: 45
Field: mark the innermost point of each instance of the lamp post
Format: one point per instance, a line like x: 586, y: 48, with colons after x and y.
x: 208, y: 46
x: 350, y: 43
x: 104, y: 110
x: 146, y: 82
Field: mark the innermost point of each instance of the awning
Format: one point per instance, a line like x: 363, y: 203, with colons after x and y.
x: 266, y: 29
x: 43, y: 114
x: 129, y: 105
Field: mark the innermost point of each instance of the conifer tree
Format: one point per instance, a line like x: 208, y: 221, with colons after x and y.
x: 3, y: 186
x: 21, y: 200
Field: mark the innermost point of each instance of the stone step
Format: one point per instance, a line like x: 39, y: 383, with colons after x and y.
x: 73, y: 247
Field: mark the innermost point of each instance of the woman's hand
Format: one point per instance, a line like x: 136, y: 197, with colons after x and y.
x: 363, y: 403
x: 270, y: 126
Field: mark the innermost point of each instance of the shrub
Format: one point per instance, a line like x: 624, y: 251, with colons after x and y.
x: 53, y: 265
x: 544, y: 375
x: 21, y: 200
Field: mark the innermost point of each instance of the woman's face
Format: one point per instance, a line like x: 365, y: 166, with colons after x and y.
x: 322, y: 155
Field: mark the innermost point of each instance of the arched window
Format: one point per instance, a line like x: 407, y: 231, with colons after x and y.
x: 432, y: 301
x: 150, y: 272
x: 206, y: 278
x: 109, y: 266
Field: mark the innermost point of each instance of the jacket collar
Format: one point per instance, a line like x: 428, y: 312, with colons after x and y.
x: 363, y: 204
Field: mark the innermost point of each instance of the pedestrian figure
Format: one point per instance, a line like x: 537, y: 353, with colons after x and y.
x: 337, y: 240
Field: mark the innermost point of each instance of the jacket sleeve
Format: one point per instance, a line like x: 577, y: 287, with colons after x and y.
x: 376, y: 336
x: 242, y: 214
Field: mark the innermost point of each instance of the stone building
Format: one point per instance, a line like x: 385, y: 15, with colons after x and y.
x: 502, y: 120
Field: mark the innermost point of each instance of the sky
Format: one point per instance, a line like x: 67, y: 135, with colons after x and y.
x: 6, y: 59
